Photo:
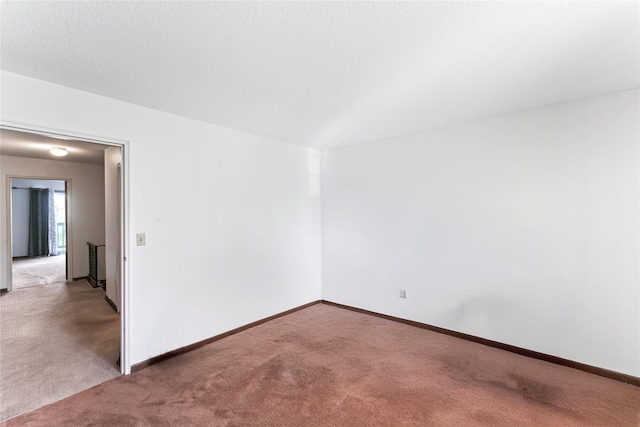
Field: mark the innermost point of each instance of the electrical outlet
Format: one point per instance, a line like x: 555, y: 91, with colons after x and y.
x: 403, y: 293
x: 141, y: 239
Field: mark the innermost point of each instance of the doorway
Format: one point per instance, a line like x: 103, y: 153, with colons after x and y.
x: 39, y: 232
x: 68, y: 222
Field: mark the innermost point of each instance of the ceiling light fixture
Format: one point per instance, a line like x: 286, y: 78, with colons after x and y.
x: 58, y: 151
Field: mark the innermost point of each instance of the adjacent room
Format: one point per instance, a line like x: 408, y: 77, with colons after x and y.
x: 38, y: 228
x: 349, y: 213
x: 60, y: 330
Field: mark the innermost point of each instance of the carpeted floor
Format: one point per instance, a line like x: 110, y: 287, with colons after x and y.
x: 55, y: 341
x: 326, y: 366
x: 29, y: 272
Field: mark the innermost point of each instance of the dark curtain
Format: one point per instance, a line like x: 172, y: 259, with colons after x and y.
x: 39, y: 222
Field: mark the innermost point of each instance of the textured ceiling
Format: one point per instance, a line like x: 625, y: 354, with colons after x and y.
x: 21, y: 144
x: 324, y: 74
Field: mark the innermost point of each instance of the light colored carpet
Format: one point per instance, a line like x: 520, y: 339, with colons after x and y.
x: 29, y: 272
x: 55, y: 341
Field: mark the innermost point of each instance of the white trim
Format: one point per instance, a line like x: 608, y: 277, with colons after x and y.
x: 58, y: 133
x: 9, y: 213
x: 125, y: 365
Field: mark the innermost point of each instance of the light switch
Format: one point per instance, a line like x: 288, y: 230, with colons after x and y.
x: 141, y: 240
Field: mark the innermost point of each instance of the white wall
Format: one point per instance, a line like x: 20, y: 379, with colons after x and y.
x: 57, y: 186
x: 232, y: 220
x: 85, y: 200
x: 521, y: 228
x: 20, y: 199
x: 20, y: 222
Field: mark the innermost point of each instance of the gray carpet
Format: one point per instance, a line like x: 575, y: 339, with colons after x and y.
x: 55, y: 341
x: 29, y: 272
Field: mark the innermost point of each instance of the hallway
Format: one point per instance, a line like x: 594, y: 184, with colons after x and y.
x: 55, y: 341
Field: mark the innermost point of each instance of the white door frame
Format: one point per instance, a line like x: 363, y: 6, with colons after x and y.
x: 125, y: 360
